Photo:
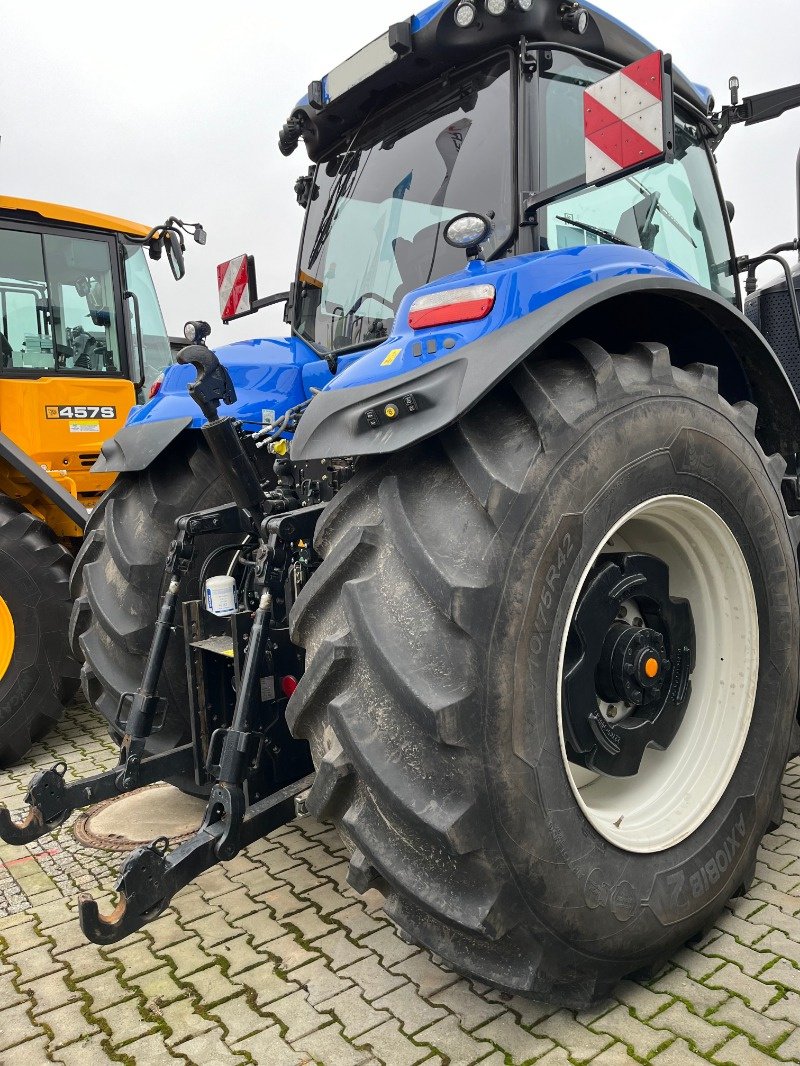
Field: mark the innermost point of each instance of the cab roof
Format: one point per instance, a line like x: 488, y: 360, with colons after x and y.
x: 429, y: 44
x: 75, y: 216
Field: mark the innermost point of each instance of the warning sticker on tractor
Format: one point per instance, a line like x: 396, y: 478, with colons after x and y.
x: 84, y: 427
x: 51, y: 411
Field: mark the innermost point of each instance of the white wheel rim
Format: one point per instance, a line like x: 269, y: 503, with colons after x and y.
x: 677, y: 789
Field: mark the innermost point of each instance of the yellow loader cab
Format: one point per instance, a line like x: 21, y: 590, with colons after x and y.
x: 81, y: 332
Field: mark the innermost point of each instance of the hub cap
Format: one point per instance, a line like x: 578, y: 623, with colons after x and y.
x: 638, y: 664
x: 658, y: 674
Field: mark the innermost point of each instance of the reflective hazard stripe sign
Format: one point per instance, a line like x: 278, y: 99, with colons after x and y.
x: 626, y: 120
x: 234, y: 280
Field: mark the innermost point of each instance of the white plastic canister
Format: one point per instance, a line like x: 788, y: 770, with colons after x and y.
x: 221, y: 596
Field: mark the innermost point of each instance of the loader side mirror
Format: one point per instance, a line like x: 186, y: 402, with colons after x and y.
x: 174, y: 250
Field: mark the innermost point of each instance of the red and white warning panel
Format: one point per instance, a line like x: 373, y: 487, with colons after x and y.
x: 236, y: 283
x: 628, y: 119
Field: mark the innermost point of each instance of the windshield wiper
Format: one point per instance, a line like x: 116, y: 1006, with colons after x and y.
x: 604, y: 234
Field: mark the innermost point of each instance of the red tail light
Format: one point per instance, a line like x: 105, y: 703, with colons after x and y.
x: 288, y: 685
x: 155, y: 388
x: 452, y: 305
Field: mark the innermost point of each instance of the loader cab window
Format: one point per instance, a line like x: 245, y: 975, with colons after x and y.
x: 155, y: 339
x: 673, y: 210
x: 57, y: 304
x: 374, y: 228
x: 82, y: 304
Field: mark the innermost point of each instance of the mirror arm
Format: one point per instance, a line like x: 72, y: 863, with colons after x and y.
x: 137, y: 318
x: 268, y: 301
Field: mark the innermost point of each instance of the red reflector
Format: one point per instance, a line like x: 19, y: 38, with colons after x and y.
x: 443, y: 316
x: 288, y: 685
x: 155, y: 388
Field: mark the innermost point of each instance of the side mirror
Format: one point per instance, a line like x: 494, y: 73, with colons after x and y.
x: 174, y: 250
x: 236, y: 282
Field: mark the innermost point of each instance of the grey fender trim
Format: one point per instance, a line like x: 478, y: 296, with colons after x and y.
x: 47, y: 485
x: 335, y: 423
x: 135, y: 447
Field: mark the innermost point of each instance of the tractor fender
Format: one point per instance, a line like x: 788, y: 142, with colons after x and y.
x: 696, y: 324
x: 38, y: 477
x: 136, y: 446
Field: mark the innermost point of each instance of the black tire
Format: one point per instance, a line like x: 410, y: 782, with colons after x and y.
x: 118, y: 577
x: 42, y: 676
x: 436, y: 740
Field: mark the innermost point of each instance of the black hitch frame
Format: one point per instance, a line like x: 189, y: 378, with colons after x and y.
x: 258, y: 770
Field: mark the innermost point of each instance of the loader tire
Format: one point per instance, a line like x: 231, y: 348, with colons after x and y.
x: 38, y: 675
x: 117, y: 582
x: 448, y: 635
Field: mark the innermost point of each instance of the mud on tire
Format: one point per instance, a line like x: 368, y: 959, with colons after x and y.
x: 432, y: 715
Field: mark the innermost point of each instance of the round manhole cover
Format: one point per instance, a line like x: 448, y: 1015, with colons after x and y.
x: 127, y: 822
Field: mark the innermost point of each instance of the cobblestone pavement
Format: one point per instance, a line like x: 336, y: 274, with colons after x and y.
x: 274, y: 960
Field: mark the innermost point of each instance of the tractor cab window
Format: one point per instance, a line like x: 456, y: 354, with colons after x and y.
x: 671, y: 209
x: 374, y: 229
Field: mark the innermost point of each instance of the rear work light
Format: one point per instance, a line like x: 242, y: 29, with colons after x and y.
x: 452, y: 305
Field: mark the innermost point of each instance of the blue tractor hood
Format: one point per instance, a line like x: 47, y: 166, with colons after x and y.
x: 412, y: 53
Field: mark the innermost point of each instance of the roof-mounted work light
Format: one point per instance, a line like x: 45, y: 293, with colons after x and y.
x: 523, y: 5
x: 465, y: 15
x: 574, y: 17
x: 497, y: 7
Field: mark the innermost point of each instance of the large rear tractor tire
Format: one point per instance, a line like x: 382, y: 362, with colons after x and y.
x: 117, y: 583
x: 38, y: 675
x: 552, y: 671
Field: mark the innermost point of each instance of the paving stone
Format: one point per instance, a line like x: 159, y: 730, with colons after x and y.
x: 309, y: 924
x: 290, y: 953
x: 354, y: 1012
x: 388, y: 945
x: 124, y: 1022
x: 704, y: 1035
x: 183, y: 1020
x: 239, y: 955
x: 239, y: 1018
x: 260, y: 926
x: 757, y: 1026
x: 372, y: 978
x: 470, y: 1009
x: 785, y: 1008
x: 460, y: 1047
x: 214, y: 929
x: 731, y: 979
x: 621, y: 1024
x: 35, y: 962
x: 267, y: 983
x: 270, y: 1048
x: 740, y: 1052
x: 158, y: 986
x: 783, y: 973
x: 423, y: 972
x: 67, y: 1024
x: 520, y: 1045
x: 678, y: 1054
x: 393, y: 1047
x: 48, y: 993
x: 413, y: 1012
x: 564, y: 1030
x: 320, y: 982
x: 16, y: 1026
x: 750, y: 961
x: 789, y: 1050
x: 616, y: 1055
x: 644, y: 1001
x: 329, y: 1046
x: 104, y: 990
x: 696, y: 965
x: 212, y: 985
x: 150, y: 1051
x: 209, y: 1049
x: 187, y: 957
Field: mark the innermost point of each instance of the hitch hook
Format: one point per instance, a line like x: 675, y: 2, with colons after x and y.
x: 48, y: 808
x: 144, y: 891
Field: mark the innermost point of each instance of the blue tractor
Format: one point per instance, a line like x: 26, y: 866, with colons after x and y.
x: 494, y: 561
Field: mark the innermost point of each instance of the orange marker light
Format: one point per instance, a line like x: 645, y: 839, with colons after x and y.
x: 651, y: 668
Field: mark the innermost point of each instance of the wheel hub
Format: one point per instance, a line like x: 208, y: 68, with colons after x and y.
x: 644, y: 666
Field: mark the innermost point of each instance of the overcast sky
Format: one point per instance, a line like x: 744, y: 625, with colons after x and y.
x: 149, y: 108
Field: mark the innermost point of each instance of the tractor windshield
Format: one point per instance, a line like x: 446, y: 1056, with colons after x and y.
x: 374, y: 229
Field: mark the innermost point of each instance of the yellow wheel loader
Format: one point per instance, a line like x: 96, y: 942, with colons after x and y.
x: 81, y: 338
